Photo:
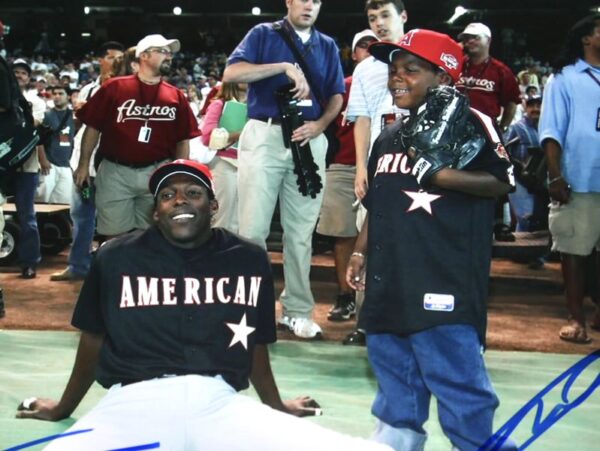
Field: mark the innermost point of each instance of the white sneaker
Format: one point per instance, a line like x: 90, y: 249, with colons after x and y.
x: 301, y: 327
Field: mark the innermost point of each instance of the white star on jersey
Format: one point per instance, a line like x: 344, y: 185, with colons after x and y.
x: 421, y: 199
x: 240, y: 332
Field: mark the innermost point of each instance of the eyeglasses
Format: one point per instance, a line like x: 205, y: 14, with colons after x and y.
x: 161, y: 50
x: 468, y: 37
x: 365, y: 43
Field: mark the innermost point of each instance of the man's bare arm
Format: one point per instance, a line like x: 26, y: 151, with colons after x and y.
x: 507, y: 115
x: 182, y: 149
x: 362, y: 141
x: 263, y: 382
x: 558, y: 187
x: 89, y: 141
x: 82, y: 377
x: 244, y: 72
x: 477, y: 183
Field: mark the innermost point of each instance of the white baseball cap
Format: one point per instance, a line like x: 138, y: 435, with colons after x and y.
x: 156, y: 40
x: 476, y: 29
x: 363, y: 34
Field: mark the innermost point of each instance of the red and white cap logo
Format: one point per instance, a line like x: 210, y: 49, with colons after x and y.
x: 437, y: 48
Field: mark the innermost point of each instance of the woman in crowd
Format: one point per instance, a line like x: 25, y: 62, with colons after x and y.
x: 224, y: 163
x: 195, y: 98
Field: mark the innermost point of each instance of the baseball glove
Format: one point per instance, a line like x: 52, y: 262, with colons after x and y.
x: 441, y: 136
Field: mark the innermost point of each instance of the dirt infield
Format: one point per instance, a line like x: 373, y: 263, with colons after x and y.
x: 526, y: 307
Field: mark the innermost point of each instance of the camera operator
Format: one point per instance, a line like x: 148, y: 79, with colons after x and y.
x: 265, y: 167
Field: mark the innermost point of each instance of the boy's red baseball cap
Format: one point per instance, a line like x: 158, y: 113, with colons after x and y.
x: 437, y: 48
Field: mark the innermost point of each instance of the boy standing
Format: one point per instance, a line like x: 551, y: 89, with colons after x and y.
x: 428, y: 239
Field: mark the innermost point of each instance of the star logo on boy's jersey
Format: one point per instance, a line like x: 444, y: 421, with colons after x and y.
x: 421, y: 199
x: 240, y: 332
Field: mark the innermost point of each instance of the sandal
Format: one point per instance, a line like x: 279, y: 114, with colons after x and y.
x: 574, y: 333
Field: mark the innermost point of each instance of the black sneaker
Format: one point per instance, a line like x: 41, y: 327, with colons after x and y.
x: 356, y: 338
x: 502, y: 233
x: 344, y: 308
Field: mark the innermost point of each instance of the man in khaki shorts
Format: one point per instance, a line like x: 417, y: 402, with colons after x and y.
x: 338, y: 212
x: 570, y: 136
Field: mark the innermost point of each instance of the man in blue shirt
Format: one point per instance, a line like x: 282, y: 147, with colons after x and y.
x: 570, y: 136
x: 526, y: 130
x: 265, y: 165
x: 56, y: 185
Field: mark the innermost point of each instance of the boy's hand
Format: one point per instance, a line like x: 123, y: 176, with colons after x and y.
x: 427, y: 163
x: 442, y: 135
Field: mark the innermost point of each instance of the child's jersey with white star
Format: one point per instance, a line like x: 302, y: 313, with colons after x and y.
x: 428, y: 252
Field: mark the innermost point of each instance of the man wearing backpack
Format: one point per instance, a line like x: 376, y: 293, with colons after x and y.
x: 26, y: 182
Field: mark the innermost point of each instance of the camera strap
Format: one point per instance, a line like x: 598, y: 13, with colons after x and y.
x: 62, y: 123
x: 279, y: 27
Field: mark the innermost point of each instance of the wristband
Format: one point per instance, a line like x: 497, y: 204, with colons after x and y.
x: 555, y: 179
x: 357, y: 254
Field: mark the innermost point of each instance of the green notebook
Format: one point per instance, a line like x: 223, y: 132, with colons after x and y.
x: 234, y: 116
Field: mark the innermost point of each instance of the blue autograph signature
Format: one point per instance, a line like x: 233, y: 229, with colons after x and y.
x: 540, y: 424
x: 82, y: 431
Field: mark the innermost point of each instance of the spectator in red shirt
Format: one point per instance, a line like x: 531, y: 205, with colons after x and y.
x: 144, y: 121
x: 491, y: 86
x: 493, y: 89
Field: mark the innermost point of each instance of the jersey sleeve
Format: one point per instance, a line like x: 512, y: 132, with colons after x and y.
x: 88, y: 312
x: 265, y: 329
x: 93, y: 113
x: 493, y: 157
x: 248, y: 49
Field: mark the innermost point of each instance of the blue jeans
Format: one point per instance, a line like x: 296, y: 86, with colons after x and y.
x: 83, y: 215
x: 445, y: 361
x: 522, y: 204
x: 28, y: 247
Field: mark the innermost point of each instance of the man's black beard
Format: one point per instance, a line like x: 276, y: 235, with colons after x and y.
x: 164, y: 69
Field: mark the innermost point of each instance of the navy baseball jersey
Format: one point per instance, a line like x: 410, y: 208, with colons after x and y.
x: 172, y: 311
x: 429, y: 252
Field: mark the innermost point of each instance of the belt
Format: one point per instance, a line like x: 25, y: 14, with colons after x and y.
x: 272, y: 120
x: 125, y: 382
x: 132, y: 165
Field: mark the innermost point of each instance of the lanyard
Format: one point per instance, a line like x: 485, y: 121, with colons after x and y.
x: 146, y: 113
x: 589, y: 72
x: 477, y: 76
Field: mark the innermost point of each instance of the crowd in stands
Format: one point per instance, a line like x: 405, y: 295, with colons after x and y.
x: 193, y: 73
x: 196, y: 74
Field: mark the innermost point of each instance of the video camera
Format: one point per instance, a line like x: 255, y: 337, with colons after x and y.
x: 305, y: 168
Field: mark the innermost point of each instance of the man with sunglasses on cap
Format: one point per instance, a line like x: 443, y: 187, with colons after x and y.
x: 338, y: 212
x: 493, y: 89
x: 432, y: 180
x: 371, y: 108
x: 144, y: 121
x: 176, y: 320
